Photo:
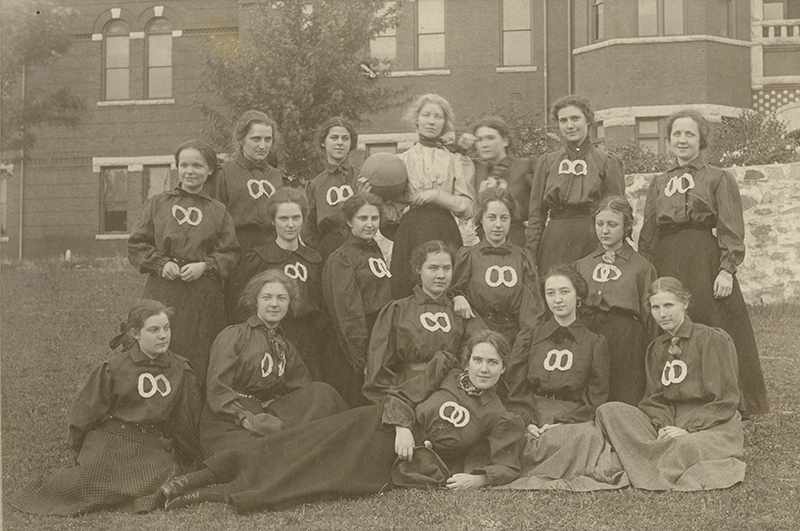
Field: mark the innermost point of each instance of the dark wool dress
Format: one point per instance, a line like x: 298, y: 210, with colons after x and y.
x: 677, y: 237
x: 132, y: 424
x: 351, y: 454
x: 566, y: 186
x: 185, y: 228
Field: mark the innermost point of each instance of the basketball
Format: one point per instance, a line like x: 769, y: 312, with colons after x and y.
x: 387, y: 174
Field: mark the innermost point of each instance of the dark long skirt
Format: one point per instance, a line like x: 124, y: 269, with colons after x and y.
x: 419, y: 225
x: 566, y: 240
x: 303, y: 332
x: 627, y: 346
x: 119, y: 467
x: 301, y: 406
x: 199, y: 316
x: 346, y: 455
x: 692, y: 256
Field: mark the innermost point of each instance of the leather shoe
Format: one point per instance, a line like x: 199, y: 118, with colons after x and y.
x: 174, y: 487
x: 193, y: 498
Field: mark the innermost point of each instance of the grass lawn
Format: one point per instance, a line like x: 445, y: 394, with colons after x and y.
x: 57, y: 321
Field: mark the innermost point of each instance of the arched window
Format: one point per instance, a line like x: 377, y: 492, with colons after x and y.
x: 159, y: 59
x: 116, y: 61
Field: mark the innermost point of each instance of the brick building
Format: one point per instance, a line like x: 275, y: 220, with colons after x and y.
x: 137, y: 65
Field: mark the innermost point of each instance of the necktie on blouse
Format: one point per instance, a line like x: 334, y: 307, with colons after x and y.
x: 609, y: 257
x: 674, y: 349
x: 278, y: 347
x: 500, y: 251
x: 466, y: 385
x: 561, y: 334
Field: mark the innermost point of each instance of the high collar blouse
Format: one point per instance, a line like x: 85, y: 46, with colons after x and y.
x: 326, y: 193
x: 131, y: 387
x: 432, y: 168
x: 355, y: 286
x: 243, y: 363
x: 183, y: 227
x: 696, y: 386
x: 513, y: 174
x: 573, y: 369
x: 700, y: 194
x: 623, y: 285
x: 500, y: 281
x: 559, y: 184
x: 410, y: 331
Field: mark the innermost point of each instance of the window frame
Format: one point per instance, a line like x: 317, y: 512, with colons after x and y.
x: 147, y: 59
x: 108, y: 36
x: 504, y: 32
x: 597, y: 24
x: 661, y: 136
x: 661, y: 21
x: 418, y: 34
x: 380, y: 147
x: 387, y: 35
x: 103, y: 201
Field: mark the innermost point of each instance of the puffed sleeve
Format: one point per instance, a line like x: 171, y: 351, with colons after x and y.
x: 90, y: 406
x: 506, y: 439
x: 720, y: 382
x: 378, y: 377
x: 614, y: 175
x: 226, y: 248
x: 649, y: 232
x: 654, y: 404
x: 398, y: 410
x: 222, y: 363
x: 532, y: 309
x: 537, y: 213
x: 142, y: 251
x: 462, y: 271
x: 596, y: 392
x: 346, y: 307
x: 521, y: 392
x: 730, y: 223
x: 463, y: 184
x: 296, y: 374
x: 182, y: 426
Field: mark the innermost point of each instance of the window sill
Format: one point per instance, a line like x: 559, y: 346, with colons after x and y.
x: 419, y: 73
x: 111, y: 236
x: 3, y: 239
x: 507, y: 69
x: 660, y: 40
x: 127, y: 103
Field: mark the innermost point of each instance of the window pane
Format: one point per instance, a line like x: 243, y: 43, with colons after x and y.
x: 431, y: 51
x: 673, y: 17
x: 517, y: 48
x: 649, y: 143
x: 430, y: 16
x: 599, y: 21
x: 115, y: 199
x: 381, y: 148
x: 117, y: 52
x: 117, y: 28
x: 117, y: 84
x: 600, y: 131
x: 159, y: 25
x: 159, y: 82
x: 516, y: 14
x: 158, y: 180
x: 383, y: 48
x: 648, y: 18
x: 160, y: 50
x: 773, y: 11
x: 648, y: 127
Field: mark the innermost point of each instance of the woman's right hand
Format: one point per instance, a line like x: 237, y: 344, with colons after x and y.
x: 462, y: 308
x: 171, y: 271
x: 403, y: 443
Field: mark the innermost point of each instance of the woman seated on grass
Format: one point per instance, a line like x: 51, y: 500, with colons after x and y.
x: 257, y: 382
x: 131, y: 426
x: 686, y: 433
x: 454, y: 411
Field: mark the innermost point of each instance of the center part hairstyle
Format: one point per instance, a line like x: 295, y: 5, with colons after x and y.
x: 420, y: 254
x: 412, y: 112
x: 337, y: 121
x: 247, y: 119
x: 205, y: 149
x: 286, y: 195
x: 702, y: 124
x: 670, y: 285
x: 139, y: 312
x: 570, y: 273
x: 353, y: 204
x: 489, y: 195
x: 618, y: 205
x: 495, y: 339
x: 576, y: 101
x: 249, y: 297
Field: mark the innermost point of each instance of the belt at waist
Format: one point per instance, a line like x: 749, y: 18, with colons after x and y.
x: 674, y: 228
x: 144, y: 428
x: 500, y: 318
x: 577, y: 211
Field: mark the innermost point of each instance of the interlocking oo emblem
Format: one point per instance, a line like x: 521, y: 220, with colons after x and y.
x: 681, y: 184
x: 497, y: 275
x: 257, y: 188
x: 192, y: 215
x: 435, y: 321
x: 158, y: 384
x: 454, y: 413
x: 296, y: 271
x: 605, y: 272
x: 558, y: 359
x: 378, y: 268
x: 267, y: 365
x: 337, y: 194
x: 572, y: 167
x: 674, y: 372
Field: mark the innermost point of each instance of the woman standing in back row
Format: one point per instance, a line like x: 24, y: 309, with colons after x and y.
x: 566, y: 186
x: 683, y: 206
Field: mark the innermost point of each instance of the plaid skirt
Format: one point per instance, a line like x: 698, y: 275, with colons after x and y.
x: 120, y: 466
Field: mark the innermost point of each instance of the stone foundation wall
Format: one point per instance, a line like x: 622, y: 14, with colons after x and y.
x: 771, y: 203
